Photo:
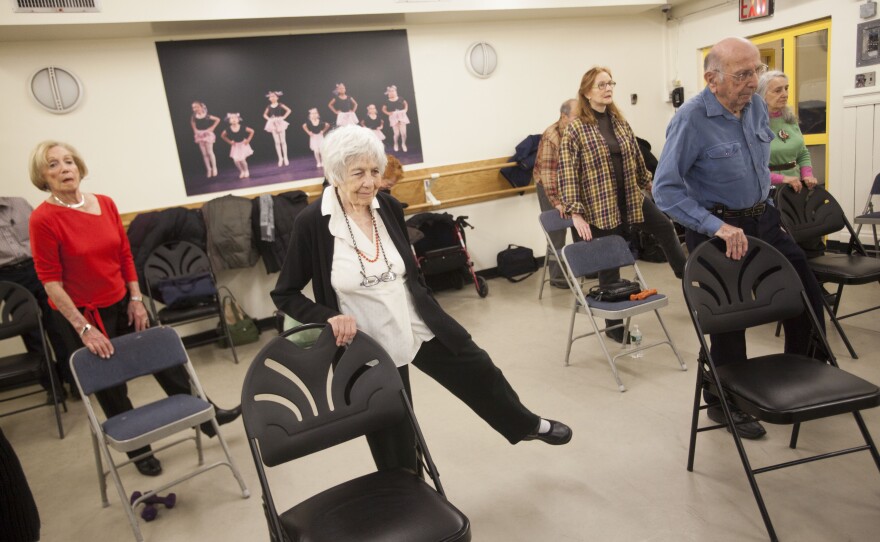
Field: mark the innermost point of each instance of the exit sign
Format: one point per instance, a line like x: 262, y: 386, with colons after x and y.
x: 754, y: 9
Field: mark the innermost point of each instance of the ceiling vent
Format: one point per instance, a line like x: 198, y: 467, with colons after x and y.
x: 56, y: 6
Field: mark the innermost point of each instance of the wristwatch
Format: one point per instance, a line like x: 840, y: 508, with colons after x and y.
x: 136, y: 298
x: 84, y: 329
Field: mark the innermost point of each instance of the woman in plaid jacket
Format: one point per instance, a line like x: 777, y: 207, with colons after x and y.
x: 602, y: 174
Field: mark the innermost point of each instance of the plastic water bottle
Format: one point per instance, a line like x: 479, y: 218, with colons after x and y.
x: 635, y: 338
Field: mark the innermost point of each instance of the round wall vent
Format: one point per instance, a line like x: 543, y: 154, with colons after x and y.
x: 481, y: 59
x: 56, y: 89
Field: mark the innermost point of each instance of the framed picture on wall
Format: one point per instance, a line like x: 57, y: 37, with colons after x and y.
x: 253, y: 111
x: 868, y: 44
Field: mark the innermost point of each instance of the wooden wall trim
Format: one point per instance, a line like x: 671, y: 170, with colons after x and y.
x: 454, y: 185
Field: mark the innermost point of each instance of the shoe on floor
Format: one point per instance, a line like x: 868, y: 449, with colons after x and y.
x: 747, y: 426
x: 558, y: 434
x: 149, y: 466
x: 223, y: 417
x: 561, y: 284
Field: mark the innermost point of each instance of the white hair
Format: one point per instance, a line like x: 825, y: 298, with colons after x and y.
x: 346, y: 144
x: 764, y: 82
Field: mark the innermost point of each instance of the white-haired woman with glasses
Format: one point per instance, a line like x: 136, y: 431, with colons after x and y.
x: 352, y: 245
x: 601, y: 176
x: 789, y: 157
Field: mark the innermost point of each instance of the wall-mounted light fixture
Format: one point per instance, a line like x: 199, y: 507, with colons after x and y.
x: 481, y: 59
x: 56, y: 89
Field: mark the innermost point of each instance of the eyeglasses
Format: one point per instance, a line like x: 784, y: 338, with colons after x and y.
x: 747, y: 74
x: 372, y: 280
x: 606, y: 84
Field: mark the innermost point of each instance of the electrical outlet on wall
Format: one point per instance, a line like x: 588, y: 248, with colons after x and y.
x: 866, y: 79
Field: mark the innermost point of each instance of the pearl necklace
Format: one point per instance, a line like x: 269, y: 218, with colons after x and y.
x: 77, y: 205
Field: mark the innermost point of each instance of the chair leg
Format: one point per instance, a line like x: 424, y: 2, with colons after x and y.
x: 228, y: 338
x: 681, y: 362
x: 795, y: 431
x: 778, y: 328
x: 867, y: 436
x: 833, y: 316
x: 544, y: 273
x: 695, y: 418
x: 608, y: 356
x: 574, y: 311
x: 102, y: 478
x: 245, y: 493
x: 123, y: 497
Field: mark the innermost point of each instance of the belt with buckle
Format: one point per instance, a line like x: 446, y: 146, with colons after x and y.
x: 783, y: 167
x: 724, y: 212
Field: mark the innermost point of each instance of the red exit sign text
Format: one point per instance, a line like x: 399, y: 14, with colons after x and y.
x: 755, y: 9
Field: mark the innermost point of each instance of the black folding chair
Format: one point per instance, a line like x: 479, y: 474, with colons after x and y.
x: 179, y: 259
x: 869, y: 216
x: 814, y: 213
x: 20, y: 314
x: 725, y: 295
x: 297, y: 401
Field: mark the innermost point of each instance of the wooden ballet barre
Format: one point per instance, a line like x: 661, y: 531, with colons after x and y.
x: 471, y: 198
x: 422, y: 176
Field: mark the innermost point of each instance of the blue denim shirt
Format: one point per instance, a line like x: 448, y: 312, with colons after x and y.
x: 711, y: 157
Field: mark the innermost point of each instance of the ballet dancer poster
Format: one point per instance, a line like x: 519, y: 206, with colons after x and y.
x: 254, y: 111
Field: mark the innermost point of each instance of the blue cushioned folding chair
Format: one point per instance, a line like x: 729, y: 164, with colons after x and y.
x: 297, y: 401
x: 140, y: 354
x: 589, y: 257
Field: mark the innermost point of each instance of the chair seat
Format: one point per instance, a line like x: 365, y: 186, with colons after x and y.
x: 846, y: 269
x: 20, y: 365
x: 173, y: 316
x: 789, y: 388
x: 868, y: 218
x: 136, y: 428
x: 392, y: 505
x: 623, y: 309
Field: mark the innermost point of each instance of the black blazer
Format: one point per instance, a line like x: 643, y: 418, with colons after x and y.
x: 310, y: 258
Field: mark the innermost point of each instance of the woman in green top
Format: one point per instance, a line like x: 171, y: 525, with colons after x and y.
x: 789, y: 157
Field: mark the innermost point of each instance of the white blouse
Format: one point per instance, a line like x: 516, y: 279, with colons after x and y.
x: 384, y: 311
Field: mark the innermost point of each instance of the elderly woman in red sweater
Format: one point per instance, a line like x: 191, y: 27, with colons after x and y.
x: 82, y: 257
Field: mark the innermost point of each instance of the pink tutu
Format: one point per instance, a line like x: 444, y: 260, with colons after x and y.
x: 205, y: 136
x: 276, y: 125
x: 346, y: 118
x: 240, y: 151
x: 379, y: 135
x: 398, y: 117
x: 315, y: 141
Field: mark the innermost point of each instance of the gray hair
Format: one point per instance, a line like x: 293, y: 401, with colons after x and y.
x: 344, y: 145
x: 764, y: 82
x: 567, y: 106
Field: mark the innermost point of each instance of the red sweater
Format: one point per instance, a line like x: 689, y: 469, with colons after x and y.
x: 89, y: 254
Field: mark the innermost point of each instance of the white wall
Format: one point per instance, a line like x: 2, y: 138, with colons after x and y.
x: 705, y: 25
x: 123, y: 127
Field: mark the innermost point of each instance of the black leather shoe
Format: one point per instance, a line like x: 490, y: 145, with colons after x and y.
x: 149, y: 466
x: 223, y: 417
x: 558, y: 434
x: 561, y: 284
x: 747, y: 426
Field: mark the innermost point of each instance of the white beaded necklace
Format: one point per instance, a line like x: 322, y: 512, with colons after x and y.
x: 77, y: 205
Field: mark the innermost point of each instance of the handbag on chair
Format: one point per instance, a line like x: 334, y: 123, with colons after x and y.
x: 242, y: 328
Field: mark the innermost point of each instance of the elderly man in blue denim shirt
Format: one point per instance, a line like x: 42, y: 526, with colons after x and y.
x: 713, y: 178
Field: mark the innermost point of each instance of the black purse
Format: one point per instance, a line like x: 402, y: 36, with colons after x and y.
x: 616, y: 291
x: 515, y: 261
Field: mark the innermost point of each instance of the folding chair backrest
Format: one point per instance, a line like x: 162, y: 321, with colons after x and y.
x: 19, y: 311
x: 730, y: 295
x: 175, y: 259
x: 588, y: 257
x: 298, y: 401
x: 875, y: 188
x: 810, y: 213
x: 551, y: 221
x: 136, y: 354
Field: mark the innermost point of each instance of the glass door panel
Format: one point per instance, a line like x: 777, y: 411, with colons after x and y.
x: 772, y: 54
x: 811, y: 81
x: 817, y: 159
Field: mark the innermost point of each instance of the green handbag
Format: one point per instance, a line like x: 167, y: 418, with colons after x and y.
x: 242, y: 328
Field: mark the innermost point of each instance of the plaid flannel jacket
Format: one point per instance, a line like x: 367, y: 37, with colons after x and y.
x: 585, y: 178
x: 547, y: 162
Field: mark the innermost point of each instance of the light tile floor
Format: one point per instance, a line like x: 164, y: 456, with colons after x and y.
x: 622, y: 477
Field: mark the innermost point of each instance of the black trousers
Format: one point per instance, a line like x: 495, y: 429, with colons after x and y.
x: 115, y: 400
x: 472, y: 377
x: 25, y: 275
x: 731, y: 347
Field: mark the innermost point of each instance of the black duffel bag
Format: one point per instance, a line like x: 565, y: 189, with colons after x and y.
x: 516, y: 261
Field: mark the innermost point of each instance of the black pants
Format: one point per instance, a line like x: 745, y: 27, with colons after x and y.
x: 731, y: 347
x: 19, y: 518
x: 115, y: 400
x: 25, y: 275
x: 472, y: 377
x: 655, y: 223
x: 556, y: 237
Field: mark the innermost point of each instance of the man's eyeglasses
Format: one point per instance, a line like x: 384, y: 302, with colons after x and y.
x: 606, y: 84
x: 372, y: 280
x: 747, y: 74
